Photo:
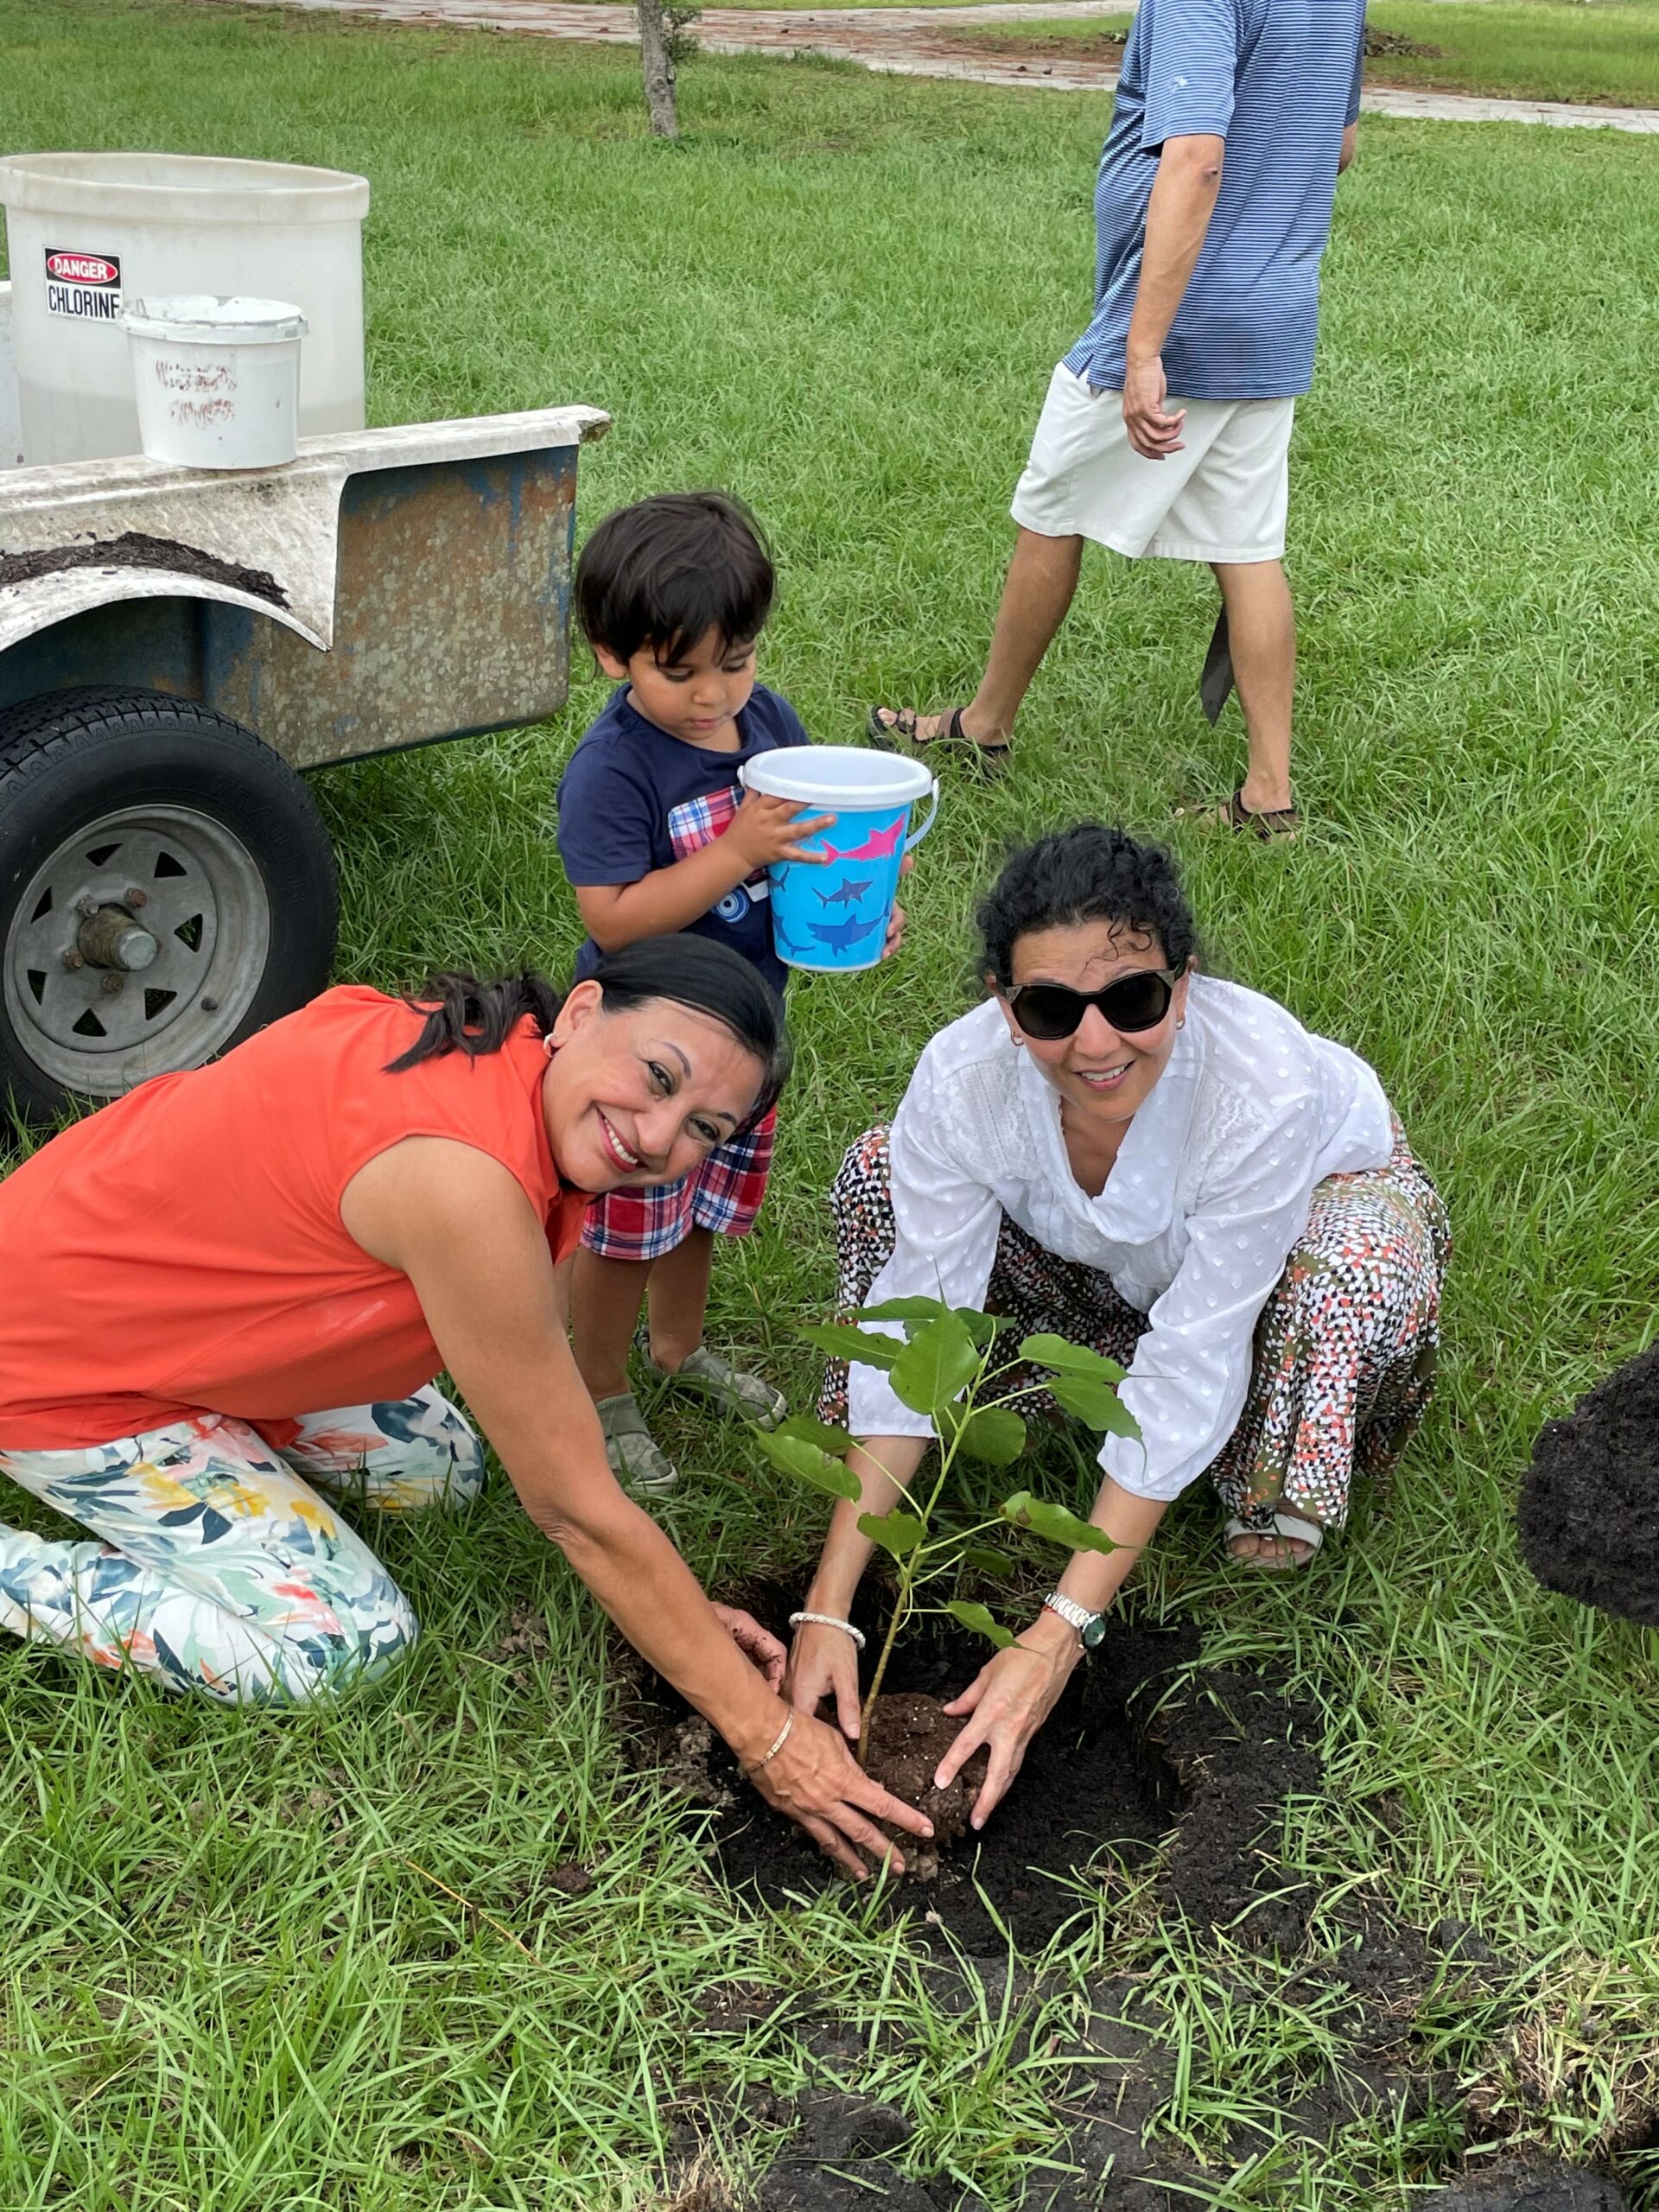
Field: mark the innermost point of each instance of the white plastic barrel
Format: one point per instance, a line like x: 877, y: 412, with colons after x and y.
x: 84, y: 230
x: 217, y: 381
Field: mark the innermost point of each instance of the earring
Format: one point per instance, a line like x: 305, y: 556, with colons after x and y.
x: 1181, y: 1021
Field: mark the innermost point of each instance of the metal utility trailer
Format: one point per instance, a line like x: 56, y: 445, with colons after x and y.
x: 175, y: 647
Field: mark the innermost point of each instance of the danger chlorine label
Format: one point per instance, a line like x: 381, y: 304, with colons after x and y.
x: 87, y: 287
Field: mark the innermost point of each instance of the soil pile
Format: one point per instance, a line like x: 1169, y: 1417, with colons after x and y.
x: 908, y: 1736
x: 1589, y: 1513
x: 1526, y: 2186
x: 1380, y: 44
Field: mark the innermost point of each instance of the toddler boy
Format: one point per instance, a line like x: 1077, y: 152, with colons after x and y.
x: 657, y: 834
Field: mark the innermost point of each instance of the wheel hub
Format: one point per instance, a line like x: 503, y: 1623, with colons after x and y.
x: 136, y: 949
x: 111, y: 936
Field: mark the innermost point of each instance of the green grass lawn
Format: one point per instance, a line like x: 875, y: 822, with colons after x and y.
x: 238, y: 1971
x: 1536, y: 50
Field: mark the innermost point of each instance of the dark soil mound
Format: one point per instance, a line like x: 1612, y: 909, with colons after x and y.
x: 1380, y: 44
x: 1528, y: 2187
x: 1590, y: 1502
x: 1109, y: 1775
x: 909, y: 1735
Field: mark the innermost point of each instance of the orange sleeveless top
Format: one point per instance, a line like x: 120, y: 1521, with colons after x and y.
x: 181, y: 1251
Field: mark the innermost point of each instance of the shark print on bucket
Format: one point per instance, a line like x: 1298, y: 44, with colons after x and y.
x: 827, y: 914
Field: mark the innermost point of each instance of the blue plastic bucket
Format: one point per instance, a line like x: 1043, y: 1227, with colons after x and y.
x: 835, y: 918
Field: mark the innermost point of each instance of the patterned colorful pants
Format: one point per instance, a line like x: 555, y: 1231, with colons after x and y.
x: 221, y: 1569
x: 1345, y: 1349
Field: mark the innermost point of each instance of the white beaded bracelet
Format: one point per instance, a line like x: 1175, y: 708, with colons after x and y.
x: 782, y: 1739
x: 829, y: 1620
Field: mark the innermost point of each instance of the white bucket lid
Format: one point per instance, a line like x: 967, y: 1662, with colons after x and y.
x: 211, y: 318
x: 833, y: 776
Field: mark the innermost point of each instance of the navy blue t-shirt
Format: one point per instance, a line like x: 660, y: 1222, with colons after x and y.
x: 634, y: 799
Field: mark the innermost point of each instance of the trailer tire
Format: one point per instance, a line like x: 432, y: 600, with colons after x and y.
x: 167, y: 887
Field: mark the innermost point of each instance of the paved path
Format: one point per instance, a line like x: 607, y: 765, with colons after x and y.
x: 917, y: 42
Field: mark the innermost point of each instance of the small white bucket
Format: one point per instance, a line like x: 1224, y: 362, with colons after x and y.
x: 217, y: 380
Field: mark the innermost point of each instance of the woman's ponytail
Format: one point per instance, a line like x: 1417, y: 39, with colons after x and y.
x: 461, y: 1014
x: 464, y: 1015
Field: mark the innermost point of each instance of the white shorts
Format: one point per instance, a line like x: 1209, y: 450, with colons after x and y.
x: 1224, y: 496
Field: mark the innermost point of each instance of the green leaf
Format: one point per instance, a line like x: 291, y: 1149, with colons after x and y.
x: 1046, y: 1351
x: 897, y: 1533
x: 982, y: 1327
x: 986, y: 1562
x: 1055, y: 1523
x: 995, y: 1433
x: 907, y: 1309
x: 815, y: 1432
x: 800, y: 1456
x: 980, y: 1620
x: 852, y: 1344
x: 1095, y: 1403
x: 937, y: 1365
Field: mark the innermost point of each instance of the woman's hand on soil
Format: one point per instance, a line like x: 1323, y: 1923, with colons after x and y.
x: 823, y: 1663
x: 757, y: 1644
x: 1009, y: 1699
x: 817, y: 1781
x: 767, y: 828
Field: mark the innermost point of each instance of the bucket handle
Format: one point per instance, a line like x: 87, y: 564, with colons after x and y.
x: 917, y: 836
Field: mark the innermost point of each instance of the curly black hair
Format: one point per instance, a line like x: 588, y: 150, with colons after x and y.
x: 1093, y: 872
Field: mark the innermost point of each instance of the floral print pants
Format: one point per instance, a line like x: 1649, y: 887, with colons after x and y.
x: 221, y: 1568
x: 1344, y: 1365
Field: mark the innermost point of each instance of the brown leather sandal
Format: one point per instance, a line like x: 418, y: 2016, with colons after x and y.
x: 1269, y: 824
x: 900, y: 735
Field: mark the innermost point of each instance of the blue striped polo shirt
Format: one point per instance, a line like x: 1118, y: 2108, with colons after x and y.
x: 1277, y: 80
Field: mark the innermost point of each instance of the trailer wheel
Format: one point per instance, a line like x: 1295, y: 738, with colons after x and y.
x: 167, y: 887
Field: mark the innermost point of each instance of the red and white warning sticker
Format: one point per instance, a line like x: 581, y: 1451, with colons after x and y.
x: 84, y: 286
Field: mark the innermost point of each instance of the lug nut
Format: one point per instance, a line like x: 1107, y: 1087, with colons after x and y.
x: 74, y: 960
x: 135, y: 897
x: 110, y: 983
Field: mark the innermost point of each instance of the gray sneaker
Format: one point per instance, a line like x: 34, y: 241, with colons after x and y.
x: 635, y: 1460
x: 732, y: 1392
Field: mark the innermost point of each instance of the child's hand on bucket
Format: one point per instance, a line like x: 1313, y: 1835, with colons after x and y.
x: 768, y: 829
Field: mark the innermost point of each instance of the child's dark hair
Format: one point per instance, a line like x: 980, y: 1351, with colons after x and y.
x: 667, y: 571
x: 1092, y: 872
x: 465, y: 1015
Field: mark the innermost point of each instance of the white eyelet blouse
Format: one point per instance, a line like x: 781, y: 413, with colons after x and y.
x: 1209, y: 1194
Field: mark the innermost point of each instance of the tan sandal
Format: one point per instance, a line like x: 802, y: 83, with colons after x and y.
x: 1287, y: 1528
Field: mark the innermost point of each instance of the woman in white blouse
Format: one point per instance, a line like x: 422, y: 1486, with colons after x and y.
x: 1172, y: 1169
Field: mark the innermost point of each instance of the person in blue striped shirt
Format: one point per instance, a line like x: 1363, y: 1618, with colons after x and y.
x: 1166, y: 428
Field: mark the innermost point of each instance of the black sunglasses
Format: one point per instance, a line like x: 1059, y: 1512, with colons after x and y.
x: 1050, y: 1011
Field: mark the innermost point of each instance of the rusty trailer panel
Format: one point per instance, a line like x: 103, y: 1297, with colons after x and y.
x: 390, y: 589
x: 452, y: 607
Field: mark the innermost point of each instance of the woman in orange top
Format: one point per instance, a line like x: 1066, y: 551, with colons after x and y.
x: 361, y: 1195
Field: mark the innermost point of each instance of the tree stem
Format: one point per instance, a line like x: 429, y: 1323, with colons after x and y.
x: 656, y: 56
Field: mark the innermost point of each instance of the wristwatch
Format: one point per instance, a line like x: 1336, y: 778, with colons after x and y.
x: 1091, y: 1627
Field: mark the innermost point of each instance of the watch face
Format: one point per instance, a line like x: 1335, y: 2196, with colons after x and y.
x: 1094, y: 1632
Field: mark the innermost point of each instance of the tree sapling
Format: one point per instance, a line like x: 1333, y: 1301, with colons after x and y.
x: 949, y: 1366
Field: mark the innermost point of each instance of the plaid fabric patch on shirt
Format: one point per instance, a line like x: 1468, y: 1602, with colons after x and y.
x: 723, y: 1194
x: 697, y: 822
